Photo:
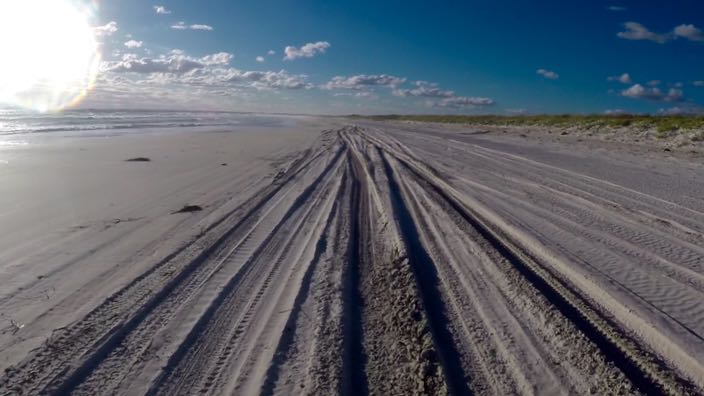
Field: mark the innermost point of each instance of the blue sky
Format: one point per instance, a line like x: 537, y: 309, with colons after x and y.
x: 402, y: 56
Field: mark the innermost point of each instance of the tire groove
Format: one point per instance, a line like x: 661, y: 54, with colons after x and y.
x: 286, y: 340
x: 428, y: 285
x: 644, y: 381
x: 354, y: 381
x: 65, y: 378
x: 81, y: 373
x: 210, y: 313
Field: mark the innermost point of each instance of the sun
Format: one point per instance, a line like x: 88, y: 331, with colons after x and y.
x: 50, y: 53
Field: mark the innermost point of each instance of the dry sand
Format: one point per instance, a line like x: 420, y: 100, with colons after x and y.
x: 376, y: 258
x: 79, y: 222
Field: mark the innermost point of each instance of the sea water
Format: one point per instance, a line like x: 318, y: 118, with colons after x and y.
x: 100, y: 122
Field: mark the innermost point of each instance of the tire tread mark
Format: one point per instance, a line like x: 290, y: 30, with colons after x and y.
x: 600, y: 330
x: 426, y: 277
x: 203, y: 321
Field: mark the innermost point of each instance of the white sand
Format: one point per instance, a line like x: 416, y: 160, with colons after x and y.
x: 382, y: 259
x: 78, y: 222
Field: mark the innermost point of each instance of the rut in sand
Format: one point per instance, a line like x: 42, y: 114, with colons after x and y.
x: 368, y: 267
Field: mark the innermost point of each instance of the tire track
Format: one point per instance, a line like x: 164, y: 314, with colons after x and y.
x: 213, y: 272
x: 642, y: 368
x: 362, y: 269
x: 510, y: 333
x: 70, y: 354
x: 354, y: 381
x: 427, y: 279
x: 286, y: 342
x: 216, y: 335
x: 400, y: 357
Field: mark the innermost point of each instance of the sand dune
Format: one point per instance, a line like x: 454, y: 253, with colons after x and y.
x: 370, y: 259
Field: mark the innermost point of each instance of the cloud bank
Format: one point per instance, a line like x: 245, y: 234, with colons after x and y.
x: 424, y: 89
x: 175, y: 62
x: 365, y: 86
x: 457, y: 102
x: 363, y: 81
x: 636, y: 31
x: 638, y: 91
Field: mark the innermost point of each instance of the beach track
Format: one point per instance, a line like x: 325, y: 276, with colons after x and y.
x: 374, y: 264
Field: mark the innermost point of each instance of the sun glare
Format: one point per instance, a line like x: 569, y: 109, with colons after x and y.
x: 50, y: 54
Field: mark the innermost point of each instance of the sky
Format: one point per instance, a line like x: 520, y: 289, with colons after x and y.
x: 373, y: 57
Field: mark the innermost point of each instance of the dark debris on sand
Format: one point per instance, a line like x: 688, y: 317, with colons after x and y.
x: 188, y: 209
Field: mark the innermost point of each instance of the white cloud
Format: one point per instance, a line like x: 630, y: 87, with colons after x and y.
x: 365, y: 94
x: 133, y: 44
x: 457, y: 102
x: 270, y: 79
x: 424, y: 89
x: 176, y: 63
x: 638, y: 91
x: 636, y: 31
x: 270, y: 52
x: 220, y: 58
x: 210, y: 73
x: 624, y: 78
x: 160, y: 9
x: 698, y: 83
x: 617, y: 8
x: 615, y: 112
x: 307, y: 51
x: 680, y: 110
x: 654, y: 83
x: 182, y: 26
x: 201, y: 27
x: 260, y: 59
x: 363, y: 81
x: 364, y: 84
x: 361, y: 94
x: 172, y: 64
x: 106, y: 30
x: 689, y: 32
x: 551, y: 75
x: 672, y: 111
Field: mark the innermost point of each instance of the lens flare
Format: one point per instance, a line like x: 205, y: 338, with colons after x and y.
x: 50, y: 54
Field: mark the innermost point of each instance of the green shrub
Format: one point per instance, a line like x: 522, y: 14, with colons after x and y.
x: 666, y: 127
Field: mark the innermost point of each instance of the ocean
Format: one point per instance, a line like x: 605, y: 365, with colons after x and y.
x: 15, y: 122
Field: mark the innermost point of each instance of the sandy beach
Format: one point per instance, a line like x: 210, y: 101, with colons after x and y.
x: 338, y: 257
x: 351, y: 198
x: 80, y: 221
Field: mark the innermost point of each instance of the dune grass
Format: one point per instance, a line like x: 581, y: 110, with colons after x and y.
x: 662, y: 124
